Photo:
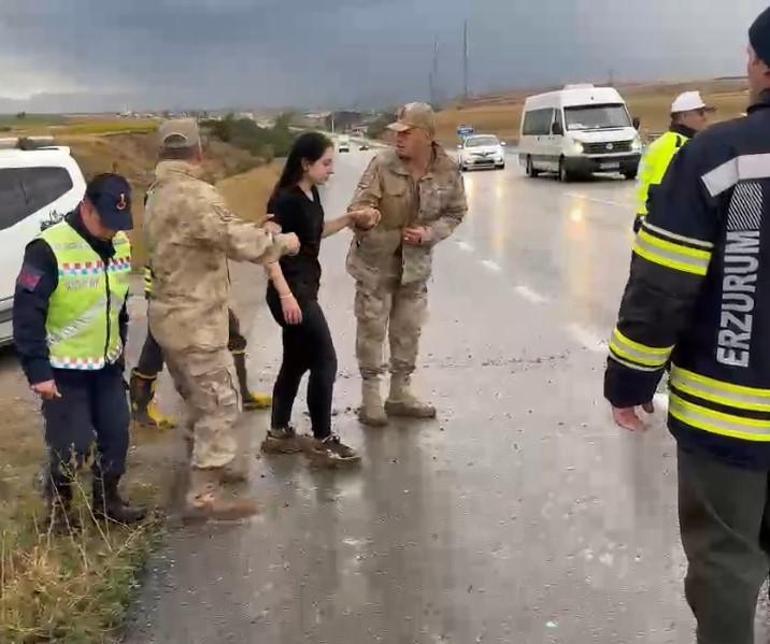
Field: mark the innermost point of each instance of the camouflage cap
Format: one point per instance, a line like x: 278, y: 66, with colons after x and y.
x: 179, y: 133
x: 415, y: 115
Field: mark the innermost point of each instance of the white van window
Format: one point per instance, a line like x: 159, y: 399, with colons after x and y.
x: 597, y: 117
x: 24, y: 191
x: 538, y: 122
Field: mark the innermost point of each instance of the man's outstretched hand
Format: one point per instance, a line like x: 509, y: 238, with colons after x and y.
x: 628, y: 417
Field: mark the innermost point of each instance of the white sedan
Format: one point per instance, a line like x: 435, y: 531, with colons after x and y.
x: 481, y: 151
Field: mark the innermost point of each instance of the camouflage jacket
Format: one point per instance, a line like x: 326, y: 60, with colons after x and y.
x: 437, y: 201
x: 190, y: 235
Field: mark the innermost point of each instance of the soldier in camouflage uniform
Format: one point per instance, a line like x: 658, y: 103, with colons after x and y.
x: 419, y: 192
x: 190, y: 236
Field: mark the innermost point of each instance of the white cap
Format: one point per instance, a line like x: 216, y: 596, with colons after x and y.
x: 688, y: 102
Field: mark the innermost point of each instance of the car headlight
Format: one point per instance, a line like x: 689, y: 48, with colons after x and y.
x: 577, y: 146
x: 636, y: 145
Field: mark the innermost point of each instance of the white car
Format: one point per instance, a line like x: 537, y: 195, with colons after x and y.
x: 481, y: 151
x: 343, y: 144
x: 39, y: 184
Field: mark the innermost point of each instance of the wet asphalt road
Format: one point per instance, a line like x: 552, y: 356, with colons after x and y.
x: 520, y: 516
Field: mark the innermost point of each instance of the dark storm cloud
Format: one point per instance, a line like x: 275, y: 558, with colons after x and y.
x: 341, y: 52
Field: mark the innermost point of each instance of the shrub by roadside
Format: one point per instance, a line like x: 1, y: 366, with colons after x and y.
x: 268, y: 143
x: 74, y: 588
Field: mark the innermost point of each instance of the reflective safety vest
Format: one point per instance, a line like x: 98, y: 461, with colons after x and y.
x: 698, y: 296
x: 83, y: 325
x: 654, y: 165
x: 148, y: 277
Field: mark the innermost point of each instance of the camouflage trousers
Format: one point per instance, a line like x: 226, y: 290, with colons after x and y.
x: 207, y: 382
x: 393, y: 309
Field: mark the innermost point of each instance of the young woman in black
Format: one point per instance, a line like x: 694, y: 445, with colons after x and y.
x: 292, y: 296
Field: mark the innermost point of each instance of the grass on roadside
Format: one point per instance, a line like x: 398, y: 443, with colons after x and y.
x: 75, y: 588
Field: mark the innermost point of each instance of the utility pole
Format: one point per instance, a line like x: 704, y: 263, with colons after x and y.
x: 435, y: 98
x: 465, y: 60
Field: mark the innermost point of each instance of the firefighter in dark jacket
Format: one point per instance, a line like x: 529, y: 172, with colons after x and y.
x: 699, y: 296
x: 70, y: 326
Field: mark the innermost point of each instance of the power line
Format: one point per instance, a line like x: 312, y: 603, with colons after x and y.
x: 465, y: 60
x: 434, y: 96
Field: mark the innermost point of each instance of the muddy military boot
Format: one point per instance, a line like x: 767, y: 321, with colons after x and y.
x: 251, y: 400
x: 60, y: 520
x: 402, y: 403
x: 282, y: 441
x: 372, y: 412
x: 236, y: 471
x: 109, y: 506
x: 206, y: 499
x: 144, y: 409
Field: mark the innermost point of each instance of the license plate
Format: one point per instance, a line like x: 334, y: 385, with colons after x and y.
x: 609, y: 166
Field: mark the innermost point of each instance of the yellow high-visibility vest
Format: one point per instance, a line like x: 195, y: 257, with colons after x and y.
x: 83, y: 321
x: 654, y: 165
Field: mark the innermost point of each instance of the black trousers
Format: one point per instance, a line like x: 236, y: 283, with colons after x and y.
x: 724, y: 513
x: 306, y: 347
x: 92, y: 410
x: 151, y: 359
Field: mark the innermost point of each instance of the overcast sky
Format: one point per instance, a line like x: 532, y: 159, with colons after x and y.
x: 108, y: 54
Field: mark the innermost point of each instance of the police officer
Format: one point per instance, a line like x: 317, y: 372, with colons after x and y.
x: 689, y: 115
x: 698, y: 294
x: 70, y: 328
x: 418, y: 190
x: 190, y: 236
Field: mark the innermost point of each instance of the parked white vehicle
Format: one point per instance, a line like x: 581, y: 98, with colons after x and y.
x: 577, y: 131
x: 481, y: 151
x: 38, y: 186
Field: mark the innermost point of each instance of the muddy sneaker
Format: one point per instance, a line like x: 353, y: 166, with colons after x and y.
x: 331, y: 452
x: 282, y: 441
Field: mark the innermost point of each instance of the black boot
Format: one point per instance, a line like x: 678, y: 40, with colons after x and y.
x: 61, y: 520
x: 251, y: 400
x: 144, y: 409
x: 109, y: 506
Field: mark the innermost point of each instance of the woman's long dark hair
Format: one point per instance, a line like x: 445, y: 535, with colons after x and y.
x: 309, y: 147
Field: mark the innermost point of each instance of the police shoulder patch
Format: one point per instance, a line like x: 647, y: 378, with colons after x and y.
x: 29, y: 278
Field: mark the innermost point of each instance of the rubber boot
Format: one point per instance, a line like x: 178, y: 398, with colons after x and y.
x: 252, y: 401
x: 372, y: 412
x: 206, y: 499
x: 402, y: 403
x: 108, y: 505
x: 61, y: 520
x: 144, y: 409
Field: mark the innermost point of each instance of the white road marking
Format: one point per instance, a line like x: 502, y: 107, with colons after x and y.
x: 530, y: 295
x: 587, y: 338
x: 608, y: 202
x: 463, y: 245
x: 492, y: 266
